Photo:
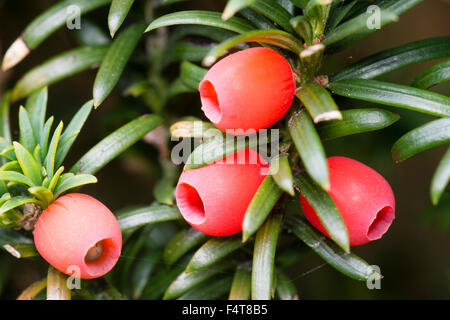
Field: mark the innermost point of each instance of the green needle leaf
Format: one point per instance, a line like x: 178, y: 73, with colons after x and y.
x: 397, y: 7
x: 17, y: 202
x: 347, y: 263
x: 7, y: 149
x: 264, y: 258
x: 300, y: 3
x: 54, y: 17
x: 242, y: 283
x: 393, y: 95
x: 356, y: 121
x: 234, y: 6
x: 181, y: 243
x: 139, y: 217
x: 325, y: 209
x: 318, y: 102
x: 91, y: 34
x: 259, y: 21
x: 5, y: 130
x: 303, y: 28
x: 185, y: 31
x: 15, y: 176
x: 33, y: 290
x: 356, y: 25
x: 26, y: 130
x: 5, y: 197
x: 220, y: 146
x: 187, y: 281
x: 143, y: 270
x: 117, y: 14
x: 43, y: 194
x: 50, y: 159
x: 71, y: 132
x: 22, y: 250
x: 44, y: 136
x: 163, y: 191
x: 162, y: 279
x: 206, y: 18
x: 182, y: 50
x: 36, y: 106
x: 57, y: 68
x: 116, y: 143
x: 281, y: 172
x: 259, y: 208
x: 209, y: 291
x: 190, y: 77
x: 55, y: 179
x: 286, y: 290
x: 427, y: 136
x: 30, y: 167
x: 168, y: 2
x: 396, y: 58
x: 436, y: 74
x: 37, y: 154
x: 44, y: 25
x: 309, y: 147
x: 11, y: 166
x: 276, y: 37
x: 317, y: 9
x: 17, y: 244
x: 441, y: 178
x: 213, y: 251
x: 71, y: 182
x: 115, y: 60
x: 274, y: 12
x: 338, y: 12
x: 191, y: 74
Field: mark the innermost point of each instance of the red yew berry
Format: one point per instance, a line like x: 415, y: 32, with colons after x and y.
x: 214, y: 198
x: 363, y: 197
x: 250, y: 89
x: 78, y: 234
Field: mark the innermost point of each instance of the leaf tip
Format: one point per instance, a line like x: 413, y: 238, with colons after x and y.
x: 208, y: 61
x: 227, y: 13
x: 327, y: 116
x: 13, y: 251
x: 149, y: 28
x: 15, y: 53
x: 395, y: 158
x: 435, y: 198
x: 15, y: 94
x: 290, y: 190
x: 190, y: 268
x: 96, y: 104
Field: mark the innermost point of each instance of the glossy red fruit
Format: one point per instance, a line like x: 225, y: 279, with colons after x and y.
x: 250, y: 89
x: 214, y: 198
x: 363, y: 197
x: 78, y: 235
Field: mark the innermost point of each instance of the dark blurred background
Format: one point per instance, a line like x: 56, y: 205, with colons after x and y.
x: 414, y: 256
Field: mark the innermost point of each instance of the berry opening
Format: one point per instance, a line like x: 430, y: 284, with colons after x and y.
x: 94, y: 252
x: 381, y: 224
x: 210, y: 102
x: 99, y: 258
x: 190, y: 204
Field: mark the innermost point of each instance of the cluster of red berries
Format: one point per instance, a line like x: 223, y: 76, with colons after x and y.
x: 253, y: 89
